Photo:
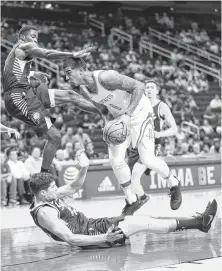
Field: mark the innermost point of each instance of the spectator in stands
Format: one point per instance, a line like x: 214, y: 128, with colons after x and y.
x: 167, y: 151
x: 68, y: 137
x: 34, y: 161
x: 90, y: 153
x: 205, y: 150
x: 184, y: 149
x: 7, y: 180
x: 219, y: 128
x: 208, y: 129
x: 68, y: 151
x: 214, y: 48
x: 58, y: 115
x: 215, y: 103
x: 180, y: 135
x: 191, y: 102
x: 82, y: 137
x: 60, y: 155
x: 87, y: 123
x: 131, y: 57
x: 211, y: 116
x: 216, y: 147
x: 207, y: 141
x: 196, y: 149
x: 19, y: 172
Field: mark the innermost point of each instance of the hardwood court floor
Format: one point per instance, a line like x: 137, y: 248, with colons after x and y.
x: 28, y: 248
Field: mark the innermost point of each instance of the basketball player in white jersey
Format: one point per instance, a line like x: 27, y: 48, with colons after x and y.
x: 124, y: 99
x: 162, y: 114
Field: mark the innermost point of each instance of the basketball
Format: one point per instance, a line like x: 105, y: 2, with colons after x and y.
x: 113, y: 132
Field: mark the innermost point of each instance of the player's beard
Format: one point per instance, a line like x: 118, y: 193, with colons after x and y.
x: 74, y: 86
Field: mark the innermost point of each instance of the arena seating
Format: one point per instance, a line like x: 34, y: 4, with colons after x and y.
x: 75, y: 37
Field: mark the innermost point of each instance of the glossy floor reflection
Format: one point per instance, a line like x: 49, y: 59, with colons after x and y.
x: 30, y: 249
x: 25, y: 247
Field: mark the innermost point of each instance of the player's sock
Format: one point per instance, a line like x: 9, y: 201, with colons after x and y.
x: 172, y: 180
x: 137, y: 173
x: 186, y: 223
x: 44, y: 170
x: 48, y: 155
x: 127, y: 189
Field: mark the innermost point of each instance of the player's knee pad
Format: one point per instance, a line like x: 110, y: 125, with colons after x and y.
x: 54, y: 136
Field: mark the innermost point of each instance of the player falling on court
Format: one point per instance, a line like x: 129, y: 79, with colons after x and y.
x: 125, y: 100
x: 64, y: 223
x: 162, y: 114
x: 27, y: 98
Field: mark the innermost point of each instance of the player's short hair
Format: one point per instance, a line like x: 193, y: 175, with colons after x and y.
x: 25, y: 29
x: 75, y: 63
x: 152, y: 81
x: 40, y: 181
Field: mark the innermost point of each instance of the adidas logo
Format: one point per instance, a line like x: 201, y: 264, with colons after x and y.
x: 106, y: 185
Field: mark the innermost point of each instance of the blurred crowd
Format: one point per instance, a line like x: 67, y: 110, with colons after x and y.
x: 197, y: 136
x: 193, y: 35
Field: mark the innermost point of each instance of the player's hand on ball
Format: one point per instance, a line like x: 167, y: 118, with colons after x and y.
x: 82, y: 158
x: 13, y: 131
x: 126, y: 120
x: 112, y: 236
x: 82, y: 53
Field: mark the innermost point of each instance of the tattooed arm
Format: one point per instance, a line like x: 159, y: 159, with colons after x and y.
x: 112, y: 80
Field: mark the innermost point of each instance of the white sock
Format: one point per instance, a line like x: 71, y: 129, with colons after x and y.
x: 130, y: 195
x: 137, y: 173
x: 133, y: 224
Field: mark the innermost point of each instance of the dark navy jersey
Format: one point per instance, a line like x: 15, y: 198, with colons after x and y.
x: 76, y: 221
x: 16, y: 72
x: 158, y: 120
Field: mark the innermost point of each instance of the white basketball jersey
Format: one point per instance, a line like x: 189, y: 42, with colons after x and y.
x: 117, y: 101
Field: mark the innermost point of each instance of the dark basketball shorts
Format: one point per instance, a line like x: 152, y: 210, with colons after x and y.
x: 101, y: 225
x: 30, y: 107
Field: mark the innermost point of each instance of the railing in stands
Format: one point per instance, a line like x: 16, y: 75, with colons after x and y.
x: 42, y: 62
x: 122, y: 35
x: 186, y: 127
x: 153, y: 48
x: 97, y: 24
x: 190, y: 48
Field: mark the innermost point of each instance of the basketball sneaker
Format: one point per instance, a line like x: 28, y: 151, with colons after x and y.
x: 206, y: 220
x: 175, y: 197
x: 13, y: 203
x: 130, y: 209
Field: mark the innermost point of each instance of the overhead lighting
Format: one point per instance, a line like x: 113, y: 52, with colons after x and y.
x: 48, y: 6
x: 216, y: 10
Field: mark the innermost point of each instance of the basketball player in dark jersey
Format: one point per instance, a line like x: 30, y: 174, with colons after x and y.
x: 63, y: 223
x: 162, y: 114
x: 27, y: 95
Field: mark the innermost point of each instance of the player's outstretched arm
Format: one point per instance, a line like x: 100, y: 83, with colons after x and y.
x: 48, y: 219
x: 71, y: 96
x: 112, y: 80
x: 78, y: 181
x: 32, y: 49
x: 10, y: 131
x: 168, y: 117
